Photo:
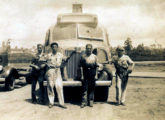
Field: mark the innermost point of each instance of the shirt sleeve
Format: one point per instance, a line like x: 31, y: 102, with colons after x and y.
x: 97, y: 63
x: 64, y: 58
x: 34, y: 60
x: 129, y: 60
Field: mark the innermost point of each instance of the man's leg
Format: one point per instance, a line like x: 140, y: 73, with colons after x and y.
x: 41, y: 86
x: 50, y: 87
x: 59, y: 89
x: 33, y: 88
x: 124, y: 89
x: 91, y: 90
x: 118, y: 89
x: 84, y: 92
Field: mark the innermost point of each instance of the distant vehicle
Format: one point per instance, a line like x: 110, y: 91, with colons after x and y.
x: 73, y: 31
x: 9, y: 73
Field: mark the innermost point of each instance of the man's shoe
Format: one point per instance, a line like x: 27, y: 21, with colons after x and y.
x: 90, y: 103
x: 50, y: 105
x: 63, y: 106
x: 83, y: 105
x: 118, y: 103
x: 34, y: 101
x: 41, y: 102
x: 123, y: 104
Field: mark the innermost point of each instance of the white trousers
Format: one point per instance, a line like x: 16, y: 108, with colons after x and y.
x: 54, y: 80
x: 121, y: 88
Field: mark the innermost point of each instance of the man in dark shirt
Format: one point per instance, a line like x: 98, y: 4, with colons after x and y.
x: 38, y: 72
x: 88, y: 64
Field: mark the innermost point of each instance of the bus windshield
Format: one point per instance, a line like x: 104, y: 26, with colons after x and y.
x: 65, y: 32
x: 77, y: 31
x: 91, y: 33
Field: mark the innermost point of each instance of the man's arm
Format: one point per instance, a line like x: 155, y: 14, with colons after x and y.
x: 49, y: 63
x: 131, y: 65
x: 34, y: 63
x: 67, y: 58
x: 99, y: 66
x: 81, y: 68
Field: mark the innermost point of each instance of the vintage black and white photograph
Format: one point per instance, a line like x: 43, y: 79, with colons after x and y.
x: 82, y: 60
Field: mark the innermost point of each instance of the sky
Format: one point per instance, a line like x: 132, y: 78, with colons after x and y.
x: 25, y: 22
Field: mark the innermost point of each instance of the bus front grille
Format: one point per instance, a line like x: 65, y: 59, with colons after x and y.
x: 72, y: 65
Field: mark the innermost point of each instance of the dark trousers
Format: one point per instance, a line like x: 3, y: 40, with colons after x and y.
x: 33, y: 89
x: 88, y: 88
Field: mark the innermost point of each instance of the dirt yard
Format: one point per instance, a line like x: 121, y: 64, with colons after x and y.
x: 145, y: 101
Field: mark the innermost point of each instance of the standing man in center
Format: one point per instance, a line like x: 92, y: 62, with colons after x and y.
x: 53, y: 76
x: 88, y: 64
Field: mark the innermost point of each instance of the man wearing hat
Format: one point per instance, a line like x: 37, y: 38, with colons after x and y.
x: 124, y: 66
x: 53, y: 75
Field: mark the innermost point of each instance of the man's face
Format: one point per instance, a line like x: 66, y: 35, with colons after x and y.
x: 120, y: 53
x: 39, y: 48
x: 88, y: 49
x: 54, y: 48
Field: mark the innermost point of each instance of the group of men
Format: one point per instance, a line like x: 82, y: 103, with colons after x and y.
x: 48, y: 67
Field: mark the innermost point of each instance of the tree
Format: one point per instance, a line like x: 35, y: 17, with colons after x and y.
x: 140, y: 49
x: 128, y: 46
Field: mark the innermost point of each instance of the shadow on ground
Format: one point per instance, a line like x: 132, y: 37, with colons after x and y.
x: 18, y: 85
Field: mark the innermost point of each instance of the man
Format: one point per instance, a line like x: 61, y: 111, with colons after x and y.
x: 38, y: 72
x: 53, y: 75
x: 88, y: 64
x: 124, y: 66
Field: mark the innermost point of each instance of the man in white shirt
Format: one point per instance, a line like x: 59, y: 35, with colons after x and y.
x: 124, y: 66
x: 53, y: 74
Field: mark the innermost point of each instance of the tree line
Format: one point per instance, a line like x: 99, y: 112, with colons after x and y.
x: 143, y: 53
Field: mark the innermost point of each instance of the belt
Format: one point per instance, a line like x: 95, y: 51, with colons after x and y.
x: 89, y: 68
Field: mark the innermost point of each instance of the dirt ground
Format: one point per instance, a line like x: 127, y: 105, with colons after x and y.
x: 145, y: 100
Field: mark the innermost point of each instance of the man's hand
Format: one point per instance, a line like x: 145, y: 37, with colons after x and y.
x: 34, y: 66
x: 100, y: 67
x: 42, y: 66
x: 129, y: 71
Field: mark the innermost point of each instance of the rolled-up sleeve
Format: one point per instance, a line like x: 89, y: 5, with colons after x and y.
x: 129, y: 61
